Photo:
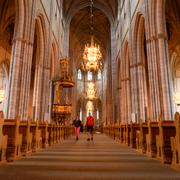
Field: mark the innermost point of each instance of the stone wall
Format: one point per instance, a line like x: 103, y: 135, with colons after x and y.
x: 35, y: 23
x: 145, y: 82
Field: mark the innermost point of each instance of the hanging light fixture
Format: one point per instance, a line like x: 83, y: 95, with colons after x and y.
x: 92, y: 55
x: 91, y: 91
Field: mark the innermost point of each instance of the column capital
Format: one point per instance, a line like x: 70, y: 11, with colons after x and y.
x: 23, y: 41
x: 157, y: 37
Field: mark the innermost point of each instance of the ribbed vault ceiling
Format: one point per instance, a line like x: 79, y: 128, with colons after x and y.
x: 77, y: 14
x: 109, y: 7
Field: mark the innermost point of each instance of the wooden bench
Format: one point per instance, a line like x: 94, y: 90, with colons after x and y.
x: 3, y: 143
x: 57, y: 132
x: 62, y: 132
x: 163, y: 141
x: 116, y: 136
x: 11, y: 128
x: 134, y: 134
x: 175, y: 143
x: 54, y: 133
x: 117, y: 133
x: 153, y: 131
x: 24, y: 129
x: 43, y: 127
x: 36, y: 136
x: 51, y: 134
x: 127, y: 134
x: 143, y: 133
x: 138, y: 144
x: 123, y: 133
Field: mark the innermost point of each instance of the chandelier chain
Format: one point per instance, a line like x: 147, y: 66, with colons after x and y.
x: 92, y: 54
x: 91, y: 17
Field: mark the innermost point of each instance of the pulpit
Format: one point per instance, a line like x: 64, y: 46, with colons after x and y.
x: 62, y: 107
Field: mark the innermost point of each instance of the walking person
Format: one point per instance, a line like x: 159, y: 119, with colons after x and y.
x: 77, y: 125
x: 90, y: 125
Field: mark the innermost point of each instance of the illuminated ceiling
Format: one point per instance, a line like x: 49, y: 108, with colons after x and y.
x: 77, y: 14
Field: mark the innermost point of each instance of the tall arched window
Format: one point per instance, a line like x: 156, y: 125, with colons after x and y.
x: 89, y: 76
x: 99, y: 75
x: 79, y: 75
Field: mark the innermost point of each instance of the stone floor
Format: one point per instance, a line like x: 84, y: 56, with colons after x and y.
x: 101, y: 159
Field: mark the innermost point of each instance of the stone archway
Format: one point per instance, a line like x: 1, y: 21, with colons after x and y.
x: 125, y: 87
x: 36, y: 79
x: 172, y: 17
x: 141, y: 86
x: 4, y: 84
x: 8, y: 21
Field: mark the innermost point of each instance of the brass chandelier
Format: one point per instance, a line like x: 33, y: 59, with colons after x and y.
x: 92, y: 54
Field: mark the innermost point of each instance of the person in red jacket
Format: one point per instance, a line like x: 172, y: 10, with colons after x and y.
x: 90, y: 125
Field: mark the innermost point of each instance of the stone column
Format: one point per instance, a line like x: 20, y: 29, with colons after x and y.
x: 128, y: 101
x: 29, y: 33
x: 27, y: 82
x: 15, y: 78
x: 152, y: 60
x: 166, y: 89
x: 24, y: 81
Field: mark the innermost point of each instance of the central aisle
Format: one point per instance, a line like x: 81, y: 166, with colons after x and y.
x: 101, y: 159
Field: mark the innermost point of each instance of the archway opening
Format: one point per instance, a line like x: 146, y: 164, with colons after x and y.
x: 7, y: 27
x: 172, y: 15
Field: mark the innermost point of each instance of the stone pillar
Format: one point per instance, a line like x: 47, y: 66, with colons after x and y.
x: 15, y: 78
x: 128, y: 101
x: 161, y: 90
x: 123, y: 95
x: 38, y: 92
x: 152, y: 60
x: 24, y: 82
x: 165, y: 91
x: 27, y: 82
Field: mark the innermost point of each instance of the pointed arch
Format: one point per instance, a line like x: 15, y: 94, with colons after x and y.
x: 142, y: 80
x: 37, y: 70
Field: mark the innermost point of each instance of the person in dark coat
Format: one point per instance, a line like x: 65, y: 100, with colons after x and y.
x: 77, y: 125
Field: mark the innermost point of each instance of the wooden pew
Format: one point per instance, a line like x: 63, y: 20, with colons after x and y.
x: 153, y: 131
x: 43, y: 127
x: 123, y: 133
x: 3, y: 143
x: 117, y: 132
x: 163, y: 141
x: 138, y: 143
x: 143, y: 133
x: 11, y: 128
x: 58, y: 132
x: 127, y: 134
x: 134, y: 136
x: 24, y: 129
x: 54, y: 133
x: 175, y: 143
x: 50, y: 132
x: 61, y: 132
x: 36, y: 136
x: 55, y: 140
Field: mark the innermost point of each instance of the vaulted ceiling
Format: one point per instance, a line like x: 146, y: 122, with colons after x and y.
x: 77, y: 15
x: 109, y: 7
